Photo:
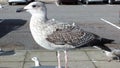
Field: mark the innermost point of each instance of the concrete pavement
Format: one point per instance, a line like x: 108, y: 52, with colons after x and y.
x: 85, y: 58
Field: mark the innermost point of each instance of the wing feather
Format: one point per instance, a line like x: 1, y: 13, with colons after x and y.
x: 74, y: 36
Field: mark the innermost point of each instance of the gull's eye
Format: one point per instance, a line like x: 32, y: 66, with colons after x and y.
x: 34, y: 5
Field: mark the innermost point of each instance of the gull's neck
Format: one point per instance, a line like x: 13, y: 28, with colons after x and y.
x: 37, y: 63
x: 41, y: 15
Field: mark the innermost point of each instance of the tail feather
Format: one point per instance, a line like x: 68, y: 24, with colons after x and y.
x: 103, y: 47
x: 106, y: 41
x: 102, y: 42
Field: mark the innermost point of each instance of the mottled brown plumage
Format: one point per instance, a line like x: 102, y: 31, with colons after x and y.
x: 72, y: 35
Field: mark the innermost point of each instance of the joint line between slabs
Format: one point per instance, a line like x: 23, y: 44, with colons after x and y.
x: 24, y: 59
x: 90, y: 59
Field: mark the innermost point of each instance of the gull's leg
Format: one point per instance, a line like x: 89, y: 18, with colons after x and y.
x: 58, y: 58
x: 66, y: 59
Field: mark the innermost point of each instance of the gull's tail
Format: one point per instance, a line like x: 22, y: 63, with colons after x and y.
x: 106, y: 41
x: 101, y: 44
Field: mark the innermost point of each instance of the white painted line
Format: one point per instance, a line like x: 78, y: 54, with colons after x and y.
x: 110, y: 23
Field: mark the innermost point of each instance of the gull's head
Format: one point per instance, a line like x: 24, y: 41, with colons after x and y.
x: 34, y: 59
x: 34, y: 8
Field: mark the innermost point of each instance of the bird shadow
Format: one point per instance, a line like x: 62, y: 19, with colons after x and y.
x: 9, y: 25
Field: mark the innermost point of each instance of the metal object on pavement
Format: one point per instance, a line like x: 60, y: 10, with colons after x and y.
x: 4, y: 53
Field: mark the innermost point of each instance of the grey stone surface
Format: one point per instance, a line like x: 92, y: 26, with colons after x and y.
x: 23, y: 59
x: 105, y: 64
x: 74, y: 55
x: 96, y: 55
x: 19, y: 56
x: 51, y: 56
x: 80, y: 64
x: 8, y: 64
x: 43, y: 56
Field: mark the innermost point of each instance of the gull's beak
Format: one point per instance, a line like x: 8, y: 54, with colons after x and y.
x: 20, y: 10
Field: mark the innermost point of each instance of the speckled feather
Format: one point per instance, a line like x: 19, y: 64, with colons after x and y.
x: 74, y: 36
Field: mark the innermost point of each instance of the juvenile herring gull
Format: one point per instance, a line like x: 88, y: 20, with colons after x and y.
x: 36, y: 61
x: 114, y: 54
x: 58, y: 36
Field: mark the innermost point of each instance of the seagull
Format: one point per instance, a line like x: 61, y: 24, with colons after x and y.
x: 58, y: 36
x: 36, y: 60
x: 114, y: 54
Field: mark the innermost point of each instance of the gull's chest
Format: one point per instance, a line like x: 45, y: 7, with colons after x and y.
x: 40, y: 33
x: 41, y: 30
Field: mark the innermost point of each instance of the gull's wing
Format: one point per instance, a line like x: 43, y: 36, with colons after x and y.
x: 71, y: 35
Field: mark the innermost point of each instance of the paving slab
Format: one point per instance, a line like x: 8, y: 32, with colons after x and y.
x: 19, y: 56
x: 77, y: 59
x: 75, y: 55
x: 97, y: 55
x: 42, y: 55
x: 11, y: 64
x: 29, y: 64
x: 106, y: 64
x: 80, y: 64
x: 51, y: 56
